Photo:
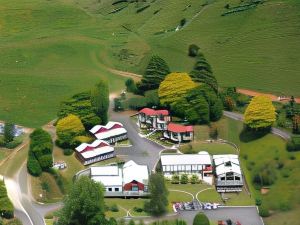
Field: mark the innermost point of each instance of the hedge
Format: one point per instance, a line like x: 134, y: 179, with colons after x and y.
x: 142, y: 8
x: 40, y: 152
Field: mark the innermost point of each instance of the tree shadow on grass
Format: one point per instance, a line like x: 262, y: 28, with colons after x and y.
x: 248, y: 135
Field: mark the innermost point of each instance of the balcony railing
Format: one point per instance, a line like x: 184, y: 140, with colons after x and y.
x: 230, y: 183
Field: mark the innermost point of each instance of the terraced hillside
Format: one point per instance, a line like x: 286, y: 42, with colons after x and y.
x: 52, y: 49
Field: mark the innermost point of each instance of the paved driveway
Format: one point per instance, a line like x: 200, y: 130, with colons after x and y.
x: 142, y: 150
x: 245, y: 215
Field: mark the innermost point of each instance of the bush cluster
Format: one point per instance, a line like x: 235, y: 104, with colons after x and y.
x: 6, y: 207
x: 80, y: 105
x: 40, y: 152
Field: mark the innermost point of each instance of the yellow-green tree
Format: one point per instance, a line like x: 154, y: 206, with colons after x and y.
x: 67, y: 129
x: 174, y: 87
x: 260, y: 113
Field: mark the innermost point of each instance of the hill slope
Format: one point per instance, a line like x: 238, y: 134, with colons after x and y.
x: 50, y: 50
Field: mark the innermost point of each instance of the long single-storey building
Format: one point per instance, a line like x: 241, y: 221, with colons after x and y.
x: 199, y: 164
x: 97, y: 151
x: 179, y: 133
x: 229, y: 176
x: 130, y: 179
x: 111, y: 132
x: 156, y: 119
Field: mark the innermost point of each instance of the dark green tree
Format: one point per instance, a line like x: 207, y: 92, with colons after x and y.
x: 155, y: 73
x: 100, y: 100
x: 130, y: 85
x: 9, y: 132
x: 84, y: 204
x: 158, y: 203
x: 202, y: 72
x: 193, y: 50
x: 201, y: 219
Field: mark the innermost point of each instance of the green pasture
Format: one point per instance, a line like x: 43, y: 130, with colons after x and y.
x: 53, y: 49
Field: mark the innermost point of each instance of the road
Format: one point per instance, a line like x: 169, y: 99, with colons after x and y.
x: 26, y: 209
x: 237, y: 116
x: 142, y: 150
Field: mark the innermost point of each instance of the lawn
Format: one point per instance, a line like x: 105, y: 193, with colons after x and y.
x: 213, y: 148
x: 44, y: 189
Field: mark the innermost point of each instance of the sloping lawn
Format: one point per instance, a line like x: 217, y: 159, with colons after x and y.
x: 213, y: 148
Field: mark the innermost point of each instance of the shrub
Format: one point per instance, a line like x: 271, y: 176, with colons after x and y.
x: 229, y: 103
x: 184, y: 179
x: 114, y: 208
x: 13, y: 144
x: 175, y: 179
x: 193, y: 50
x: 131, y: 86
x: 242, y: 100
x: 45, y: 186
x: 68, y: 151
x: 258, y: 201
x: 201, y: 219
x: 194, y: 179
x: 263, y: 211
x: 138, y: 209
x: 292, y: 157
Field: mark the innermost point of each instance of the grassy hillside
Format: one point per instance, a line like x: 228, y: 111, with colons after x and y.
x: 50, y: 50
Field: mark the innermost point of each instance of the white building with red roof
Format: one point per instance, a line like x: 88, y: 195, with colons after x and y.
x: 179, y: 133
x: 97, y: 151
x: 156, y: 119
x: 111, y: 132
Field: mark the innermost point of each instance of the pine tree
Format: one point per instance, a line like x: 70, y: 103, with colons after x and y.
x: 9, y: 132
x: 100, y: 100
x: 155, y: 73
x: 202, y: 72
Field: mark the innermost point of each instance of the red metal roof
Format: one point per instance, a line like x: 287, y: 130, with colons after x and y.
x: 173, y: 127
x: 153, y: 112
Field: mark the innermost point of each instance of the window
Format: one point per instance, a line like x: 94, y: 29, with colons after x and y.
x: 237, y: 178
x: 109, y: 189
x: 135, y: 188
x: 222, y: 178
x: 117, y: 189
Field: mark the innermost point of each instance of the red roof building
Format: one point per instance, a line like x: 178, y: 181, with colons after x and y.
x: 179, y: 133
x: 155, y: 119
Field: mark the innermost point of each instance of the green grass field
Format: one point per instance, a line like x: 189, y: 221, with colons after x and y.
x: 53, y: 49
